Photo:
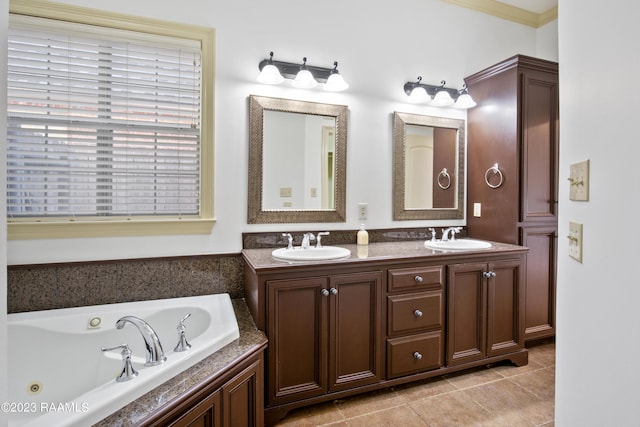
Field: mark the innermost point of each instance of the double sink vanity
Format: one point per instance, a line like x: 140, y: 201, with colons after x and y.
x: 381, y: 315
x: 348, y: 319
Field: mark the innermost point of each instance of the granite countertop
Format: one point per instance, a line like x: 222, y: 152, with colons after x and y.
x: 250, y: 340
x: 414, y: 250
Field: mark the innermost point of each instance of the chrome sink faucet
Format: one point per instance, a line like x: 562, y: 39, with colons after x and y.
x: 155, y: 353
x: 306, y: 239
x: 289, y: 240
x: 319, y: 238
x: 453, y: 231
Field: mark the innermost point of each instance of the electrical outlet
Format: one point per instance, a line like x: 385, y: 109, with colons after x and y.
x: 579, y: 181
x: 477, y: 209
x: 575, y: 240
x: 363, y: 210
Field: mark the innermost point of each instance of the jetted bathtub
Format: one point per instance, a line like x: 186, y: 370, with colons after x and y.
x: 58, y: 374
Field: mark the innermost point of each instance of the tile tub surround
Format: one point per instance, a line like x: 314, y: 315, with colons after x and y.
x: 250, y: 341
x: 65, y: 285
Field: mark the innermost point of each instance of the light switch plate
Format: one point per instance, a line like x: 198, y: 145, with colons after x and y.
x: 575, y: 240
x: 477, y: 209
x: 579, y: 181
x: 363, y: 211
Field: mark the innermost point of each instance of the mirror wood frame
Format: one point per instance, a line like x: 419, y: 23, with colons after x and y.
x: 256, y: 214
x: 400, y: 213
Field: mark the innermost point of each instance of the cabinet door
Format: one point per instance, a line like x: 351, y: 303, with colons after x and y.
x: 242, y: 398
x: 297, y: 331
x: 539, y: 104
x: 356, y: 341
x: 505, y: 304
x: 206, y: 413
x: 540, y: 294
x: 466, y: 317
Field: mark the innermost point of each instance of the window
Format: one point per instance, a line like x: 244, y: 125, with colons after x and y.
x: 105, y: 125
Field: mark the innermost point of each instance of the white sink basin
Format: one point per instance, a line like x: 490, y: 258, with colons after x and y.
x: 311, y: 254
x: 459, y: 244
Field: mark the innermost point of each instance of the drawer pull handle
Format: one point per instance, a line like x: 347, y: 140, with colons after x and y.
x: 418, y: 279
x: 417, y: 355
x: 417, y: 313
x: 324, y: 292
x: 334, y: 291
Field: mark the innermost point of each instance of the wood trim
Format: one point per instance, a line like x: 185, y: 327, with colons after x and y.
x: 508, y: 12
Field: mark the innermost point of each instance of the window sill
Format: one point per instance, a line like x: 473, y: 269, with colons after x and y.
x: 107, y: 228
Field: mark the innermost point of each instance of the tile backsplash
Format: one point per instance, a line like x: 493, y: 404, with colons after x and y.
x: 51, y: 286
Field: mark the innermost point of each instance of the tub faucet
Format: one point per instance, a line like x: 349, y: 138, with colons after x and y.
x: 155, y: 353
x: 127, y: 372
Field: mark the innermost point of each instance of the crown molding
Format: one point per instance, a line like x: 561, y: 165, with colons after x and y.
x: 508, y: 12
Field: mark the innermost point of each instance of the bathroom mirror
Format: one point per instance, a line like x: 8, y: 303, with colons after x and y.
x: 297, y: 161
x: 428, y: 167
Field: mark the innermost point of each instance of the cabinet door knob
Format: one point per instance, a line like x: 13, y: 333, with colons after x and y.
x: 324, y: 292
x: 417, y: 355
x: 417, y: 313
x: 492, y: 273
x: 418, y: 279
x: 334, y: 291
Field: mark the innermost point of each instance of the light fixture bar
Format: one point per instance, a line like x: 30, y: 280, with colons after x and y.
x: 437, y: 95
x: 431, y: 89
x: 290, y: 70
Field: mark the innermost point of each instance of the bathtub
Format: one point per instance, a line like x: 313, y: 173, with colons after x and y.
x: 59, y: 376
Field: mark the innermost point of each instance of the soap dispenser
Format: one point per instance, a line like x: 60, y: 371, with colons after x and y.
x: 363, y: 236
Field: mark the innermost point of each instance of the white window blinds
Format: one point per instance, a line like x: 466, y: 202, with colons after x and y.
x: 101, y: 122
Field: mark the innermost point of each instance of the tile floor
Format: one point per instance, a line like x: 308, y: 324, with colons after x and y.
x: 496, y: 396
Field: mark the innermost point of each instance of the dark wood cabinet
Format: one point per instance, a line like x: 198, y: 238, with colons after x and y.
x: 415, y: 320
x: 234, y: 400
x: 325, y: 335
x: 484, y: 310
x: 207, y: 413
x: 515, y: 126
x: 336, y: 329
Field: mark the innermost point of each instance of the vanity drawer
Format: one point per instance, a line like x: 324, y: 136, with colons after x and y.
x: 419, y: 278
x: 416, y: 311
x: 415, y: 353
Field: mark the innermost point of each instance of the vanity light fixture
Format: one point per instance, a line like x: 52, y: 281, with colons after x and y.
x: 304, y: 79
x: 304, y: 76
x: 442, y: 98
x: 269, y: 73
x: 419, y: 92
x: 335, y: 82
x: 464, y: 99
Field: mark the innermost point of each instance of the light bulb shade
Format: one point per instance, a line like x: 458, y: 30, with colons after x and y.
x: 442, y: 99
x: 335, y: 83
x: 270, y: 75
x: 465, y: 101
x: 304, y: 80
x: 419, y: 95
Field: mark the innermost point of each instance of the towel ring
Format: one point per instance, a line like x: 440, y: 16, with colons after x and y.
x: 496, y: 171
x: 444, y: 175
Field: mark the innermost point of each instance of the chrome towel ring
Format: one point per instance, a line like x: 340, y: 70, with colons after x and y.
x: 496, y: 171
x: 444, y: 179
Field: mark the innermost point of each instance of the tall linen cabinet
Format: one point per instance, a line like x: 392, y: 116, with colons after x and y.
x: 513, y: 172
